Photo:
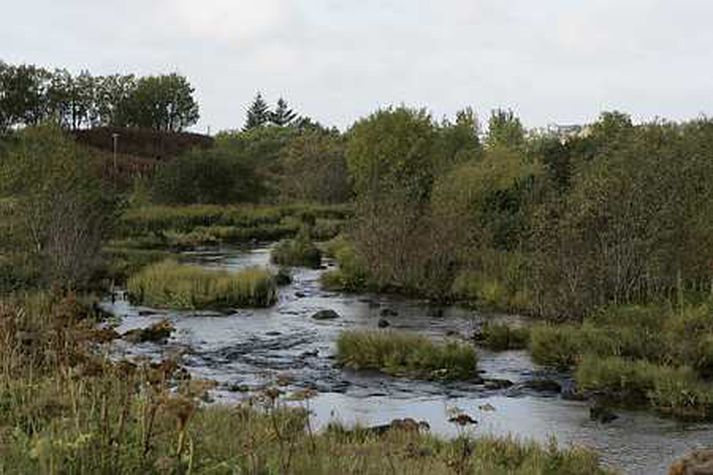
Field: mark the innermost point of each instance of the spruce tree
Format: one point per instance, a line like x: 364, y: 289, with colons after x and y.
x: 283, y: 115
x: 258, y: 113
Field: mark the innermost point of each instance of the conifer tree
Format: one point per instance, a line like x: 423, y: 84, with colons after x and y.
x: 283, y: 115
x: 258, y: 113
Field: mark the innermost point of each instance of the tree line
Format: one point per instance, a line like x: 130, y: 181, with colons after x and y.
x: 31, y: 95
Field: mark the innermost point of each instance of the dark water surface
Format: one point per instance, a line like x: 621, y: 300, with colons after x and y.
x: 251, y: 349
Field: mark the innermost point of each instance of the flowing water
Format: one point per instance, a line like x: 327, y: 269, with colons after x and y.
x: 251, y: 349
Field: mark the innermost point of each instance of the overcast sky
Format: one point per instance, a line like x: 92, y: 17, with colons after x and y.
x: 337, y: 60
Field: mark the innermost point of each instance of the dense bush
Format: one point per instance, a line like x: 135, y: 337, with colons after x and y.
x: 211, y: 176
x: 56, y: 212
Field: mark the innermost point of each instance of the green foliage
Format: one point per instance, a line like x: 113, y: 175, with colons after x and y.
x: 391, y: 152
x: 314, y: 169
x: 161, y: 103
x: 352, y: 274
x: 212, y: 176
x: 58, y: 212
x: 172, y: 285
x: 405, y: 354
x: 505, y: 130
x: 30, y: 95
x: 258, y: 113
x: 554, y: 345
x: 282, y: 116
x: 299, y: 251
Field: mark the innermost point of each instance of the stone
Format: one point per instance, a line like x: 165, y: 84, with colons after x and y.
x: 388, y: 312
x: 602, y: 414
x: 698, y: 462
x: 158, y: 332
x: 497, y: 383
x: 544, y: 384
x: 383, y: 323
x: 325, y: 315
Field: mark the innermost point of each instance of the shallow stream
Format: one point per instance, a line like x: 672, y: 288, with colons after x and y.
x: 251, y: 349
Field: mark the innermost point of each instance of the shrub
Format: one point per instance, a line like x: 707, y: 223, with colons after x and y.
x: 500, y: 337
x: 173, y: 285
x: 352, y: 274
x: 406, y: 354
x: 299, y: 251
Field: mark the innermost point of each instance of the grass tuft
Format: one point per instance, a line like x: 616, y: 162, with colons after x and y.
x: 172, y: 285
x: 406, y: 354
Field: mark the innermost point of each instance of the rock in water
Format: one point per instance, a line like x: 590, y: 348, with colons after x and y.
x: 602, y: 414
x: 698, y: 462
x: 157, y: 332
x: 389, y: 312
x: 325, y: 315
x: 383, y: 323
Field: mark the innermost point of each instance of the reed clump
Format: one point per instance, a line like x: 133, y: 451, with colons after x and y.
x: 406, y: 354
x: 169, y: 284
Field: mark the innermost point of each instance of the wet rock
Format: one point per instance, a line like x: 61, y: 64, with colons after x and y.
x: 284, y: 379
x: 404, y: 425
x: 273, y: 333
x: 495, y: 383
x: 300, y: 295
x: 283, y: 277
x: 309, y: 354
x: 698, y: 462
x: 544, y: 385
x: 487, y: 407
x: 158, y: 332
x: 105, y: 335
x: 453, y: 333
x: 325, y: 315
x: 570, y: 392
x: 462, y: 420
x: 383, y: 323
x: 388, y: 312
x: 602, y: 414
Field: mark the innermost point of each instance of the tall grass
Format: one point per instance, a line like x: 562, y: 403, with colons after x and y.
x: 406, y: 354
x: 183, y: 219
x: 172, y: 285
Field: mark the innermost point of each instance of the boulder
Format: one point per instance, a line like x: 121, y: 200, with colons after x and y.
x: 602, y: 414
x: 698, y: 462
x: 383, y: 323
x: 497, y: 383
x: 544, y: 384
x: 325, y: 315
x: 157, y: 332
x: 283, y: 277
x: 388, y: 312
